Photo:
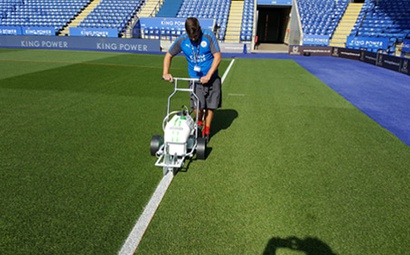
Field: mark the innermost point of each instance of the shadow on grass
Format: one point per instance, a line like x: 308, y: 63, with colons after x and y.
x: 188, y: 161
x: 309, y: 245
x: 223, y: 119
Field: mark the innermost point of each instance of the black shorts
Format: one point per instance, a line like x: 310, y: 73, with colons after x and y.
x: 209, y: 94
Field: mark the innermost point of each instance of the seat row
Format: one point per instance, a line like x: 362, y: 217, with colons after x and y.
x: 46, y: 13
x: 210, y: 9
x: 247, y: 20
x: 112, y: 14
x: 320, y: 17
x: 384, y: 19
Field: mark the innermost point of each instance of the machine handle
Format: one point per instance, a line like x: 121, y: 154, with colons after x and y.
x: 186, y: 79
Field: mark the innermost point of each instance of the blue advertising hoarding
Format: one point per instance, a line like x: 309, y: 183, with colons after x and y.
x: 406, y: 46
x: 18, y: 30
x: 38, y: 30
x: 173, y: 23
x: 316, y: 40
x: 80, y: 43
x: 359, y: 42
x: 10, y: 30
x: 97, y: 32
x: 275, y: 2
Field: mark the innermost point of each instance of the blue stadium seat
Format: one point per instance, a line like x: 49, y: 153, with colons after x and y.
x: 386, y: 19
x: 40, y: 12
x: 320, y: 17
x: 113, y: 14
x: 213, y: 9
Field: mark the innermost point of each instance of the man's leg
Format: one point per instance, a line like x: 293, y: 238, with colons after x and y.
x: 213, y: 101
x: 201, y: 100
x: 200, y: 117
x: 208, y: 121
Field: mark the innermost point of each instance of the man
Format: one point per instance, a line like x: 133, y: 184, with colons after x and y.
x: 202, y: 52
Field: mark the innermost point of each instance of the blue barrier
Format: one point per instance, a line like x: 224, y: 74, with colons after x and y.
x: 18, y: 30
x: 315, y: 40
x: 406, y: 46
x: 359, y: 42
x: 168, y: 28
x: 97, y: 32
x: 10, y: 30
x: 80, y: 43
x: 275, y: 2
x: 173, y: 23
x: 38, y: 30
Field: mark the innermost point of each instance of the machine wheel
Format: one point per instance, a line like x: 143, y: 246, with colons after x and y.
x: 201, y: 148
x: 156, y: 142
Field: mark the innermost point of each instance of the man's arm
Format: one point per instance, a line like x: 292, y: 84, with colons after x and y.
x: 166, y: 66
x: 214, y: 67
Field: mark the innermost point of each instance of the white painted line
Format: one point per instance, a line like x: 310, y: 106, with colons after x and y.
x: 141, y: 226
x: 134, y: 238
x: 236, y: 95
x: 227, y: 70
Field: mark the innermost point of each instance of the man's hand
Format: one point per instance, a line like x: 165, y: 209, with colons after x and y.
x: 167, y: 77
x: 205, y: 79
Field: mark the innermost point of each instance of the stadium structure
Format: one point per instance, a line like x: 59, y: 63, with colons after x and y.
x: 379, y: 26
x: 324, y: 169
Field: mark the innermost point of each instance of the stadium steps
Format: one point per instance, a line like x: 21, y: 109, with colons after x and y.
x: 233, y: 28
x: 151, y: 8
x: 129, y: 30
x: 169, y: 8
x: 345, y: 25
x: 81, y: 16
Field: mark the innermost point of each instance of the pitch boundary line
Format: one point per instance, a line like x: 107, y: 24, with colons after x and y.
x: 141, y: 226
x: 227, y: 70
x: 134, y: 238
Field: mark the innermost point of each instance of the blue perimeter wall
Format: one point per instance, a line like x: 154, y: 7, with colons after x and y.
x: 81, y: 43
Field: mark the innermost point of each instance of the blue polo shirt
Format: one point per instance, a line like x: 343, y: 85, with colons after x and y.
x: 198, y: 54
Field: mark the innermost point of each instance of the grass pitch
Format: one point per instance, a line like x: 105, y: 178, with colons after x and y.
x: 292, y: 167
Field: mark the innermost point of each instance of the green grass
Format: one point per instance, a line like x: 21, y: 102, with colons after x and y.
x: 292, y: 167
x: 75, y: 131
x: 294, y: 161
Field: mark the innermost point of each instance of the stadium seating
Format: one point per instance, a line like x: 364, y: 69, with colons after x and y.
x: 58, y: 13
x: 320, y: 17
x: 113, y: 14
x: 378, y: 18
x: 209, y: 9
x: 383, y: 18
x: 50, y: 13
x: 247, y: 20
x: 169, y: 8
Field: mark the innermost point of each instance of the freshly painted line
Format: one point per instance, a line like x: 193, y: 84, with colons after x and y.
x: 140, y: 227
x: 236, y: 95
x: 227, y: 70
x: 134, y: 238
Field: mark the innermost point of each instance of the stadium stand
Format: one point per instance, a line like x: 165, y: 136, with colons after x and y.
x: 247, y: 20
x: 150, y: 8
x: 219, y: 10
x: 375, y: 18
x: 345, y: 25
x: 320, y: 17
x: 233, y: 27
x: 51, y: 13
x: 211, y: 9
x: 112, y: 14
x: 387, y: 19
x: 169, y: 8
x: 59, y: 13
